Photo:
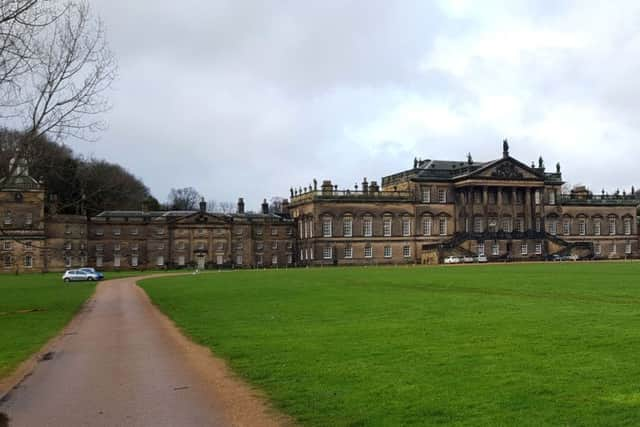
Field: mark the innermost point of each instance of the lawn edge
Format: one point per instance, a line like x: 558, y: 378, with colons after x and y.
x: 26, y: 367
x: 238, y: 391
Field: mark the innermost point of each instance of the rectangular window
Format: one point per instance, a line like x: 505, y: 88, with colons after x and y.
x: 347, y: 227
x: 597, y: 248
x: 614, y: 248
x: 8, y: 218
x: 134, y: 247
x: 477, y: 224
x: 426, y: 225
x: 259, y: 230
x: 116, y: 231
x: 597, y: 228
x: 582, y: 225
x: 28, y: 261
x: 134, y: 260
x: 290, y: 232
x: 480, y: 249
x: 386, y: 227
x: 442, y: 196
x: 520, y: 225
x: 627, y: 248
x: 99, y: 261
x: 274, y: 244
x: 387, y: 251
x: 538, y: 224
x: 368, y: 252
x: 327, y: 253
x: 220, y: 246
x: 116, y: 246
x: 6, y: 245
x: 289, y: 259
x: 406, y: 251
x: 326, y: 227
x: 426, y: 194
x: 348, y: 252
x: 116, y: 260
x: 506, y: 225
x: 367, y: 227
x: 181, y: 260
x: 538, y: 248
x: 67, y: 246
x: 67, y: 229
x: 99, y: 247
x: 274, y: 260
x: 259, y: 259
x: 566, y: 227
x: 552, y: 197
x: 443, y: 226
x: 259, y: 246
x: 553, y: 228
x: 524, y: 249
x: 160, y: 261
x: 495, y: 249
x: 274, y: 232
x: 28, y: 219
x: 537, y: 197
x: 67, y: 261
x: 406, y: 227
x: 99, y: 232
x: 7, y: 260
x: 28, y: 246
x: 239, y: 260
x: 134, y: 231
x: 627, y: 226
x: 612, y: 226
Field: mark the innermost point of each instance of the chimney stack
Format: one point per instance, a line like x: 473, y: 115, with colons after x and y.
x: 365, y: 186
x: 203, y: 206
x: 327, y: 187
x: 285, y: 206
x: 240, y: 205
x: 265, y: 207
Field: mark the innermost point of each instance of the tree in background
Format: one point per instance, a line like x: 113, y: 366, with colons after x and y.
x: 183, y: 199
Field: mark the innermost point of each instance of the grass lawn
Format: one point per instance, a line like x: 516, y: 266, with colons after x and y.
x: 531, y: 344
x: 34, y: 308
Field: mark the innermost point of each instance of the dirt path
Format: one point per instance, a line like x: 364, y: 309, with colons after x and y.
x: 123, y: 363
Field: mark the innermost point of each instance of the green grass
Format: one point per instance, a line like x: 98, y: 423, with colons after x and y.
x: 538, y: 344
x: 33, y: 309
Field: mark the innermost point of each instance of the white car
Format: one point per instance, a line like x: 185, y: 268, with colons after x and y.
x: 79, y: 276
x: 452, y: 260
x: 467, y: 259
x: 483, y: 258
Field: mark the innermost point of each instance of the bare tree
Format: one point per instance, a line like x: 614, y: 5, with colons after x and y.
x: 183, y: 199
x: 227, y: 207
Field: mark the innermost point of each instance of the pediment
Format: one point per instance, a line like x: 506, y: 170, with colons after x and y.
x: 506, y: 169
x: 202, y: 218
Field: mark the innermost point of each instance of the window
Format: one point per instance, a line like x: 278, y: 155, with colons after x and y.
x: 426, y: 194
x: 327, y: 252
x: 506, y: 225
x: 553, y: 227
x: 443, y: 226
x: 612, y: 226
x: 8, y: 219
x: 274, y: 244
x: 116, y: 246
x: 160, y: 247
x: 495, y: 249
x: 67, y: 246
x: 520, y: 225
x: 524, y: 249
x: 259, y: 246
x: 116, y: 231
x: 368, y: 251
x: 427, y: 223
x: 134, y: 231
x: 28, y: 246
x: 552, y: 197
x: 311, y: 253
x: 597, y: 248
x: 538, y: 224
x: 537, y: 197
x: 627, y: 226
x: 289, y: 259
x: 159, y: 230
x: 386, y: 227
x: 406, y: 227
x: 28, y: 261
x: 7, y: 260
x: 274, y: 260
x: 134, y: 260
x: 348, y: 252
x: 627, y: 248
x: 406, y: 251
x: 566, y: 226
x: 311, y: 228
x: 274, y: 232
x: 387, y: 252
x: 160, y: 261
x: 326, y: 227
x: 116, y: 260
x: 477, y: 224
x: 614, y: 248
x: 582, y: 226
x: 99, y: 247
x: 134, y: 247
x: 367, y: 226
x: 99, y: 261
x: 480, y: 249
x: 6, y: 245
x: 442, y: 196
x: 259, y: 230
x: 28, y: 219
x: 492, y: 225
x: 180, y: 246
x: 259, y: 259
x: 220, y: 246
x: 290, y: 231
x: 99, y: 232
x: 67, y: 261
x: 201, y: 246
x: 67, y: 229
x: 538, y: 248
x: 347, y: 226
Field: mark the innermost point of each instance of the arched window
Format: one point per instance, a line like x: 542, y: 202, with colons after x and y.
x: 427, y: 225
x: 612, y: 225
x: 367, y: 226
x: 406, y: 226
x: 327, y: 226
x: 386, y: 225
x: 347, y: 226
x: 443, y: 226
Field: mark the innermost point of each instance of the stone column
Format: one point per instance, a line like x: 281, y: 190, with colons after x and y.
x: 514, y: 209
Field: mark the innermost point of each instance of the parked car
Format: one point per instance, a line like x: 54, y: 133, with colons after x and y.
x: 482, y: 258
x: 467, y: 259
x: 93, y: 271
x: 78, y: 276
x: 452, y: 260
x: 572, y: 258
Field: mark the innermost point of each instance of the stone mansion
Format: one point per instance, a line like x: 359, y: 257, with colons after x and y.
x: 503, y: 209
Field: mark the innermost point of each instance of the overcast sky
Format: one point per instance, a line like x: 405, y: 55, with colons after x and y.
x: 247, y: 98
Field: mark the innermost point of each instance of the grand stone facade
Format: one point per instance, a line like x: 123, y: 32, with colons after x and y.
x: 503, y: 209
